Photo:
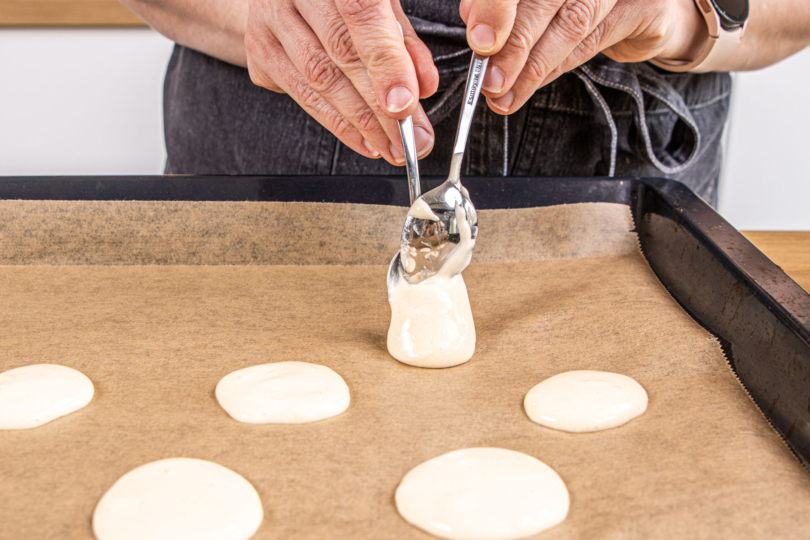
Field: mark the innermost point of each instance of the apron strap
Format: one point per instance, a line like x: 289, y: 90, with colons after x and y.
x: 637, y: 81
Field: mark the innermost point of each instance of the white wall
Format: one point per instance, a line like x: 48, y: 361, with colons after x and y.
x: 766, y: 182
x: 82, y: 101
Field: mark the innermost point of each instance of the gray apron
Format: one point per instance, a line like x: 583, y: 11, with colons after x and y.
x: 602, y: 119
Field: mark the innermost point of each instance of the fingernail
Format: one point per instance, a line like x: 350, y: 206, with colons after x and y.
x: 504, y: 102
x: 423, y: 140
x: 494, y: 80
x: 397, y: 154
x: 399, y: 98
x: 482, y: 37
x: 370, y: 148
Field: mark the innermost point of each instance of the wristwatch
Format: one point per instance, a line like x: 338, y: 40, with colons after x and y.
x: 726, y: 20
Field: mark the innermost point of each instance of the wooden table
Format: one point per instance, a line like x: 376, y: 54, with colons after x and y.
x: 104, y: 13
x: 790, y: 250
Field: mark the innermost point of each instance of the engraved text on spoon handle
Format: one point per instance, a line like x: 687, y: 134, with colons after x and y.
x: 478, y: 66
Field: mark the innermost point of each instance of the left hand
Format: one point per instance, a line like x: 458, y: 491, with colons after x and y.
x: 532, y: 42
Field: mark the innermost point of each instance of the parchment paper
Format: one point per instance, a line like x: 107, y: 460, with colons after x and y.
x: 233, y: 233
x: 155, y: 340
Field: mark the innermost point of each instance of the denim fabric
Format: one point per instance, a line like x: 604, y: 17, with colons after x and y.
x: 602, y: 119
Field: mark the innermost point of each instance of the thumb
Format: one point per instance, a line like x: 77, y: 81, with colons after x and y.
x: 489, y: 23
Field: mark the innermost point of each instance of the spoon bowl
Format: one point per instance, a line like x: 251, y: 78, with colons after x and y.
x: 427, y: 242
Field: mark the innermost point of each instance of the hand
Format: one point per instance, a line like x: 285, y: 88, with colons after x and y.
x: 345, y: 63
x: 532, y: 42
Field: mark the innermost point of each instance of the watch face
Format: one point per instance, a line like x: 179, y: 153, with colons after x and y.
x: 733, y: 11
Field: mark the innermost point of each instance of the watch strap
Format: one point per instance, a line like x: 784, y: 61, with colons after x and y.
x: 718, y: 49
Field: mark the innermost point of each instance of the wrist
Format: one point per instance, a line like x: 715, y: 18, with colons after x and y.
x: 691, y: 33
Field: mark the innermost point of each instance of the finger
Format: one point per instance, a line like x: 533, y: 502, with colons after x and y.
x: 267, y: 61
x: 532, y: 17
x: 622, y: 41
x: 258, y: 76
x: 575, y: 20
x: 617, y: 37
x: 489, y: 23
x: 376, y: 38
x: 254, y: 34
x: 426, y: 72
x: 613, y: 30
x: 423, y: 136
x: 267, y: 83
x: 328, y: 25
x: 305, y: 51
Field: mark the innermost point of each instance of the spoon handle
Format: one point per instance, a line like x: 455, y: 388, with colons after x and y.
x: 411, y: 164
x: 478, y: 66
x: 409, y: 150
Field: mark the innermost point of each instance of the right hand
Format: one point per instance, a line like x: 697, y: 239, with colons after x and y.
x: 345, y: 63
x: 532, y: 42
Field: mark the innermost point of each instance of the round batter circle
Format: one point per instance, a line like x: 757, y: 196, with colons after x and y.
x: 283, y: 393
x: 585, y: 401
x: 179, y: 499
x: 31, y: 396
x: 483, y: 494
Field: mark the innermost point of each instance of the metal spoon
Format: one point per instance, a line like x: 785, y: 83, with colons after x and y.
x: 411, y: 163
x: 414, y: 184
x: 409, y: 149
x: 428, y: 242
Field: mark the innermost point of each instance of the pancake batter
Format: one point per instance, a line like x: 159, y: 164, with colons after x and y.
x: 283, y: 393
x: 32, y: 396
x: 179, y: 499
x: 421, y: 210
x: 431, y: 321
x: 583, y: 401
x: 482, y: 494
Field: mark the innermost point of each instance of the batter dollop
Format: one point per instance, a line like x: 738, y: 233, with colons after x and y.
x: 283, y: 393
x: 583, y: 401
x: 421, y: 210
x: 483, y: 494
x: 179, y: 499
x: 32, y: 396
x: 431, y: 320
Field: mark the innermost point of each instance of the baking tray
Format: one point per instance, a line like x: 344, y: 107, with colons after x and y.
x: 759, y: 314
